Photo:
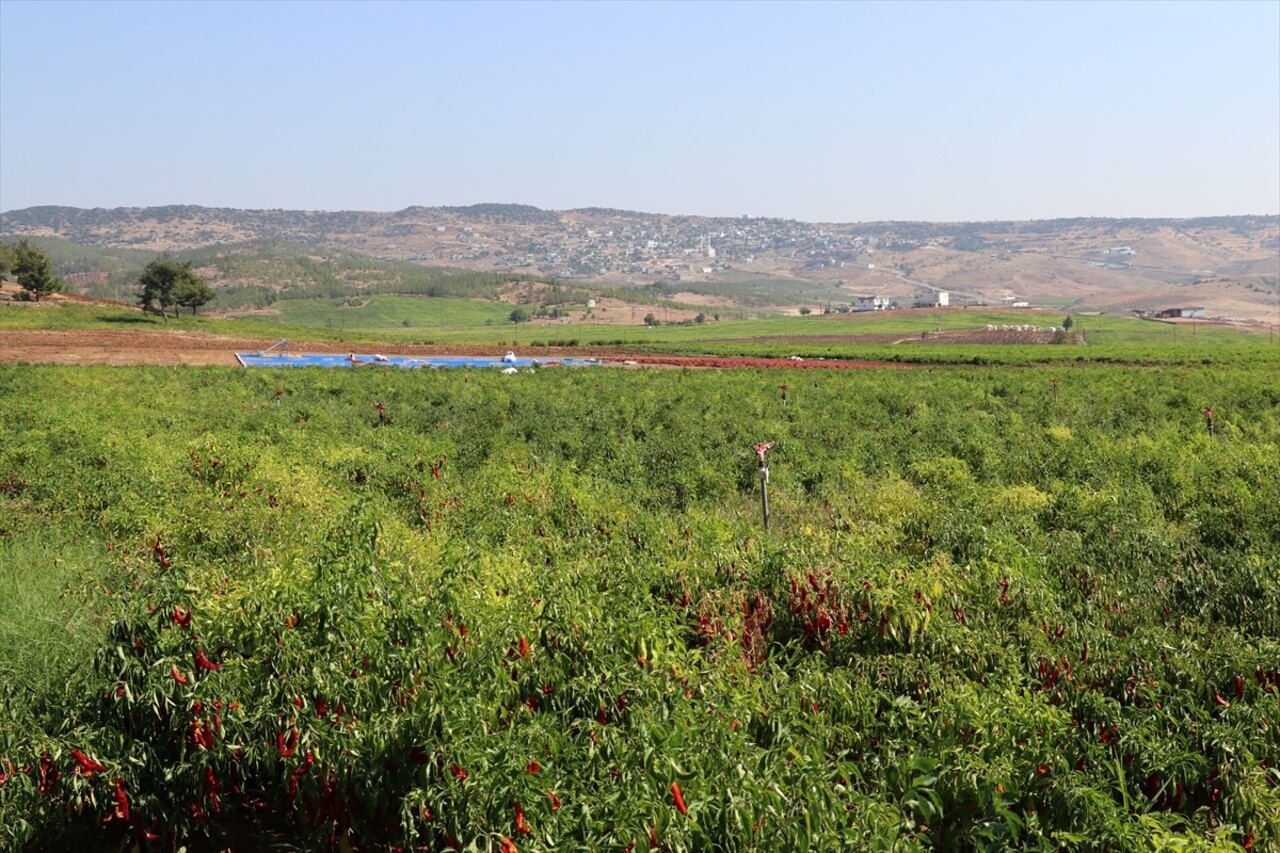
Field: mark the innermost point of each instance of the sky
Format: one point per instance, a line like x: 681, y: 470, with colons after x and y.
x: 821, y: 112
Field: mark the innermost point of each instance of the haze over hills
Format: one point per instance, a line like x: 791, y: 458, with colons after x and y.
x: 1230, y: 264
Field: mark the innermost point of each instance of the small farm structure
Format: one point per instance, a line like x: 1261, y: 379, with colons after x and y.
x: 933, y: 299
x: 1196, y: 311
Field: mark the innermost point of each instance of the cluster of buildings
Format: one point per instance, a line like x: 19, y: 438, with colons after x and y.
x: 649, y: 246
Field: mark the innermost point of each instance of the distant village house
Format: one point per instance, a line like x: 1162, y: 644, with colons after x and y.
x: 872, y: 303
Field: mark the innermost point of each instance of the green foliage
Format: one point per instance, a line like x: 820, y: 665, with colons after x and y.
x: 166, y: 282
x: 191, y: 292
x: 32, y: 269
x: 519, y: 315
x: 984, y: 617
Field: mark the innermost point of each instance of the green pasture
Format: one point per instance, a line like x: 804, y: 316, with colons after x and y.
x: 394, y: 316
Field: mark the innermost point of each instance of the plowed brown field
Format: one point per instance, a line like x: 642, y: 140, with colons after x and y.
x: 170, y: 348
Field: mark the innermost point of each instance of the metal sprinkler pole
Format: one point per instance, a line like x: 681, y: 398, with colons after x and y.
x: 764, y: 494
x: 763, y: 467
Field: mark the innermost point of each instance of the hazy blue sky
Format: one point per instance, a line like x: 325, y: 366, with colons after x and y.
x: 851, y: 111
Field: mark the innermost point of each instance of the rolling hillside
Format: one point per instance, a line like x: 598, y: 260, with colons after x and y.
x: 1229, y: 265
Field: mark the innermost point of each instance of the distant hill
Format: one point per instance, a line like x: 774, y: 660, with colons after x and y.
x: 1230, y: 265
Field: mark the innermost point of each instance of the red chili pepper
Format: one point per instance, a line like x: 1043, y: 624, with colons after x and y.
x: 122, y: 801
x: 178, y: 676
x: 286, y: 751
x: 204, y: 663
x: 508, y: 846
x: 653, y: 833
x: 521, y: 827
x: 45, y: 766
x: 555, y: 801
x: 1217, y: 697
x: 87, y: 765
x: 201, y: 735
x: 211, y: 783
x: 180, y: 618
x: 458, y: 773
x: 524, y: 647
x: 533, y: 767
x: 322, y: 707
x: 679, y: 798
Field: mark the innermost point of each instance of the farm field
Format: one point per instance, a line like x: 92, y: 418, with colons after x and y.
x: 924, y: 337
x: 996, y: 608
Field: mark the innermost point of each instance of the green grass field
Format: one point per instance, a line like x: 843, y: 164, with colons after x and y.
x: 389, y: 315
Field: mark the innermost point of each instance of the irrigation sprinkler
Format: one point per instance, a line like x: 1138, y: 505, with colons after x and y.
x: 1208, y: 420
x: 761, y: 449
x: 783, y: 389
x: 382, y: 414
x: 1054, y: 380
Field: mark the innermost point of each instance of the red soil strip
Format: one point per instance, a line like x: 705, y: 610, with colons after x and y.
x: 747, y: 361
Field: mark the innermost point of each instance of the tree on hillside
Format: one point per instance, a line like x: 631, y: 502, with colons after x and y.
x: 519, y: 315
x: 1068, y: 323
x: 166, y: 282
x: 32, y: 270
x: 6, y: 262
